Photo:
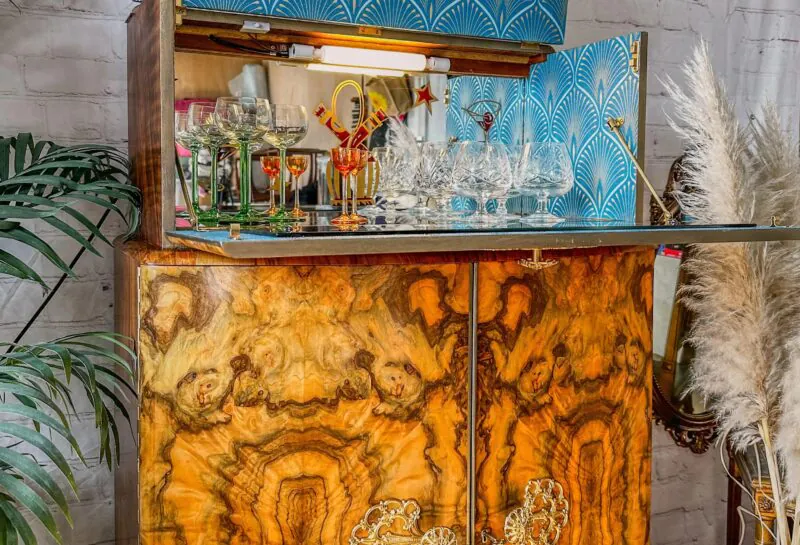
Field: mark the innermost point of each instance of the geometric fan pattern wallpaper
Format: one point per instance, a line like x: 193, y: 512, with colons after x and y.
x: 540, y: 21
x: 568, y: 99
x: 509, y: 92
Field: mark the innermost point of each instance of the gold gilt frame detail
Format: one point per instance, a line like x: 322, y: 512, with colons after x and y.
x: 396, y: 522
x: 539, y: 521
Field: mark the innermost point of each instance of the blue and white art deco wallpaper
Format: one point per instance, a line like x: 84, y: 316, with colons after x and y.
x: 541, y: 21
x: 509, y: 92
x: 569, y: 98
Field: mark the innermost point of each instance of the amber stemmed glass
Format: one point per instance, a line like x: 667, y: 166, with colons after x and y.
x: 271, y: 166
x: 289, y: 125
x: 346, y: 161
x: 297, y: 165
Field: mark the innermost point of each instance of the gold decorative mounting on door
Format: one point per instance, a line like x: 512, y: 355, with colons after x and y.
x: 539, y: 521
x: 636, y: 55
x: 380, y: 526
x: 536, y: 262
x: 615, y: 124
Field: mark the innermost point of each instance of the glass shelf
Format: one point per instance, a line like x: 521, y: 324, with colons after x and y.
x: 317, y: 237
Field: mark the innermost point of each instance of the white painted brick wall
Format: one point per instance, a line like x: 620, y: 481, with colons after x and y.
x: 63, y: 76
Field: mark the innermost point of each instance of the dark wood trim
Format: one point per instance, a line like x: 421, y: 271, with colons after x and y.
x: 196, y: 40
x: 298, y: 30
x: 150, y: 114
x: 126, y: 475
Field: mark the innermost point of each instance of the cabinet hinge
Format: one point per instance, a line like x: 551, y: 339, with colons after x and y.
x: 180, y: 11
x: 636, y: 55
x: 370, y: 31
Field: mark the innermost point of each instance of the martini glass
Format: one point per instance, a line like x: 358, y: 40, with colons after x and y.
x: 202, y: 121
x: 346, y: 161
x: 188, y: 139
x: 289, y: 125
x: 244, y: 120
x: 297, y: 165
x: 271, y: 166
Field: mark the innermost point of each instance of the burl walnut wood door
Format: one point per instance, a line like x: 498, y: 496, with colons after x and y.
x: 279, y: 404
x: 563, y: 386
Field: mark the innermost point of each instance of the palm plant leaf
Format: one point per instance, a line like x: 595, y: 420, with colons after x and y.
x: 42, y: 181
x: 38, y: 376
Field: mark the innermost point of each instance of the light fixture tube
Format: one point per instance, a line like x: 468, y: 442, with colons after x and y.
x: 375, y: 72
x: 372, y: 58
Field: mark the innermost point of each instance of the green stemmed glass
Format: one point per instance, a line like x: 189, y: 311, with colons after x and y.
x: 188, y: 140
x: 202, y: 122
x: 244, y: 120
x: 288, y: 127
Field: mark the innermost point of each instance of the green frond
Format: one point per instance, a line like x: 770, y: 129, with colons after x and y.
x: 43, y: 181
x: 38, y: 377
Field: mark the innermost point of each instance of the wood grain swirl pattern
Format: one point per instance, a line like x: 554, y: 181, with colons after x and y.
x: 564, y: 375
x: 280, y: 403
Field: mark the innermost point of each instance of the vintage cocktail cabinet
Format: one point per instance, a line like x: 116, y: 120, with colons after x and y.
x: 381, y: 386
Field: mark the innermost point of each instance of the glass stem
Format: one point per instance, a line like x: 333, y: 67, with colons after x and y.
x: 244, y: 177
x: 354, y: 189
x: 443, y: 205
x: 282, y: 187
x: 296, y: 191
x: 541, y: 205
x: 502, y: 210
x: 213, y: 181
x: 481, y: 205
x: 271, y: 189
x: 344, y: 194
x: 195, y: 185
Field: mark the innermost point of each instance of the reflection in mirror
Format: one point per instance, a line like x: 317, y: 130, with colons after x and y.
x: 418, y: 101
x: 684, y: 414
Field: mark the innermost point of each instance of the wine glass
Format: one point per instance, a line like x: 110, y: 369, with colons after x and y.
x: 435, y: 172
x: 297, y: 165
x: 244, y: 120
x: 288, y: 127
x: 482, y: 170
x: 361, y: 163
x: 188, y: 140
x: 371, y: 190
x: 202, y: 122
x: 547, y: 173
x: 396, y: 176
x: 516, y: 157
x: 348, y: 161
x: 422, y: 188
x: 271, y: 166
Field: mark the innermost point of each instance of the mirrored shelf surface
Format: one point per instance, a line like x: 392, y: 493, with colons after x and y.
x: 317, y: 237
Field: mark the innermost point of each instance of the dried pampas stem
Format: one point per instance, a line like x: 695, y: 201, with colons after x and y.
x: 777, y: 486
x: 746, y: 296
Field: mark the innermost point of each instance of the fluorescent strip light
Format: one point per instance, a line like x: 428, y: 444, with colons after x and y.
x: 375, y: 72
x: 372, y: 58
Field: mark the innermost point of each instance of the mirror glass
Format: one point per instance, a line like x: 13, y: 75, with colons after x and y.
x: 203, y: 77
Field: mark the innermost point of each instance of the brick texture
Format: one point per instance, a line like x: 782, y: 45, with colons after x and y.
x: 62, y: 76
